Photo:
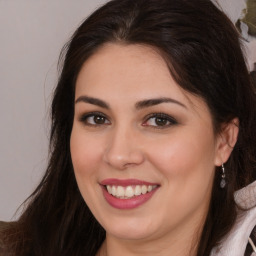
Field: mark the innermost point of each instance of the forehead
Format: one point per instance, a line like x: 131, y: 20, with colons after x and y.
x: 124, y: 67
x: 119, y: 72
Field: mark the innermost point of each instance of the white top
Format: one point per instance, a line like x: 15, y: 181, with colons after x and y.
x: 234, y: 244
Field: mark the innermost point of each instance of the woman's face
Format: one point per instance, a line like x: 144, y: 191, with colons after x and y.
x: 143, y: 149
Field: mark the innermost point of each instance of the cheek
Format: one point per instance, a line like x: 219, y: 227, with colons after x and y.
x: 186, y: 165
x: 85, y: 152
x: 185, y: 159
x: 85, y: 155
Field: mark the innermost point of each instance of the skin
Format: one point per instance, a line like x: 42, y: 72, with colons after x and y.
x: 179, y: 156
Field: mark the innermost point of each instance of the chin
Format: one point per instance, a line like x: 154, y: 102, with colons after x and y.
x: 130, y: 235
x: 130, y: 230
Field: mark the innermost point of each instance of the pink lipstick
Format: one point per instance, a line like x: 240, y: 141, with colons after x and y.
x: 127, y: 194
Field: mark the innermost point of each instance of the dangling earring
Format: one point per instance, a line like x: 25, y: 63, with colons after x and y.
x: 223, y: 176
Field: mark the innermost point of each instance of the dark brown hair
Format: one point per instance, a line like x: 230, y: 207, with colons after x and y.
x: 202, y: 50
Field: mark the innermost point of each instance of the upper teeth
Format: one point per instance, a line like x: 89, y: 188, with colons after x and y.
x: 129, y: 191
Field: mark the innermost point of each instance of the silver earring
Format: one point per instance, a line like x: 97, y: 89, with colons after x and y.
x: 223, y: 176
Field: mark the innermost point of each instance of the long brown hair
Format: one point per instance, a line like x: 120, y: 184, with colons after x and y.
x: 203, y: 52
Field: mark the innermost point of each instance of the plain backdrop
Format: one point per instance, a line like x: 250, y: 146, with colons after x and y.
x: 32, y: 33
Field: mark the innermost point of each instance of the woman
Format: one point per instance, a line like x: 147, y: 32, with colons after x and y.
x: 152, y: 133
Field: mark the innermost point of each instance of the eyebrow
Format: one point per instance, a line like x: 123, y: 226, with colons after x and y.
x: 156, y: 101
x: 139, y: 105
x: 93, y: 101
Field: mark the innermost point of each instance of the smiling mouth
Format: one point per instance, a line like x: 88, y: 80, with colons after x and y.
x: 125, y: 194
x: 128, y: 192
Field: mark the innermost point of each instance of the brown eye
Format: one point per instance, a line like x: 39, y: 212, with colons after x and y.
x: 99, y: 119
x: 159, y: 120
x: 94, y: 119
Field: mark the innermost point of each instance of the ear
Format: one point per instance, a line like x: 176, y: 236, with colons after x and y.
x: 226, y: 140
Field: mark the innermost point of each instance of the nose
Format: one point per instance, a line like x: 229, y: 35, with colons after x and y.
x: 123, y: 150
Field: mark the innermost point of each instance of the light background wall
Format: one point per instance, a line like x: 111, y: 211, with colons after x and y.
x: 32, y: 33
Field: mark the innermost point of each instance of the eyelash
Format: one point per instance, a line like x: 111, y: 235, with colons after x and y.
x: 84, y: 118
x: 168, y: 120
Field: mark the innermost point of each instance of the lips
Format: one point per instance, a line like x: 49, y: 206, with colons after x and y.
x: 127, y: 194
